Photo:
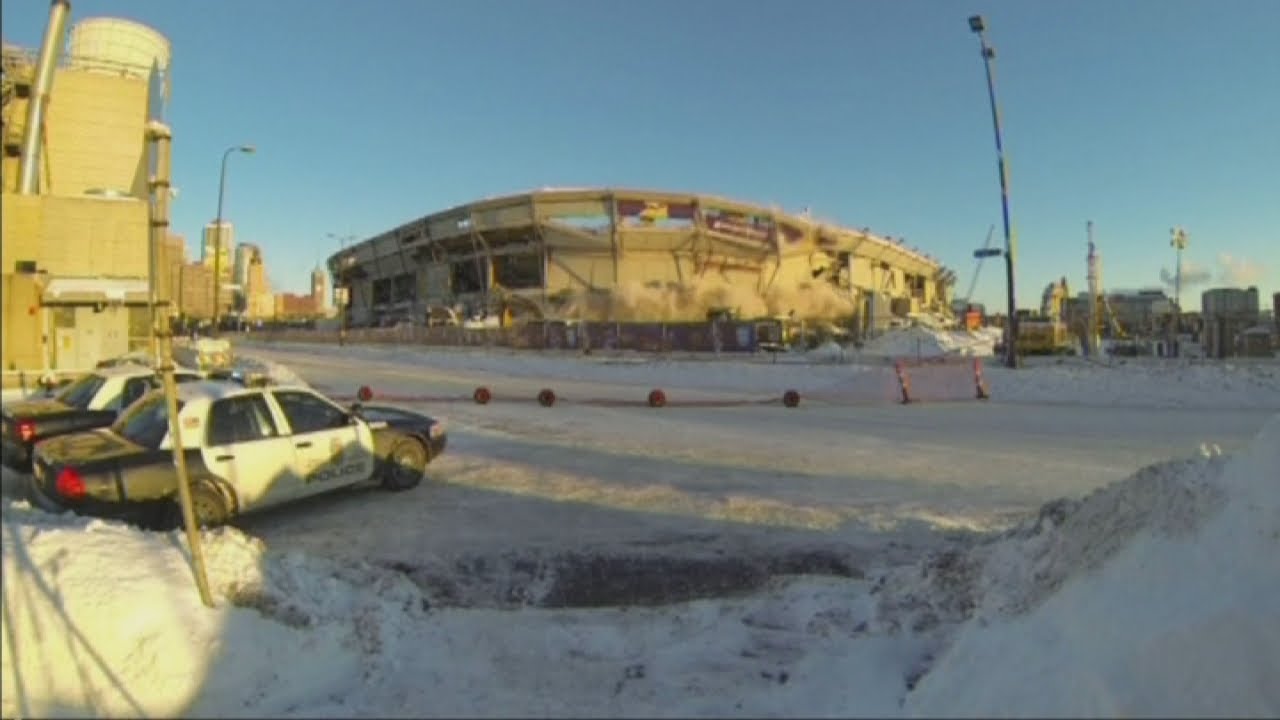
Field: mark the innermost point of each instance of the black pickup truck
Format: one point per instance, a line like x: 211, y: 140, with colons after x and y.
x: 92, y: 401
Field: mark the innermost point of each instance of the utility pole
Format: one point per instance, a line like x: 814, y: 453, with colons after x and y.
x: 978, y: 26
x: 160, y: 138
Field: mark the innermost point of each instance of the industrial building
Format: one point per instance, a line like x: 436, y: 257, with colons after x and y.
x: 1232, y: 319
x: 76, y: 189
x: 621, y: 254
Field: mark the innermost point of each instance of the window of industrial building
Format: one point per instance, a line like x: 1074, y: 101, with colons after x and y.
x: 518, y: 271
x: 466, y: 276
x: 139, y: 327
x: 382, y: 291
x: 403, y: 288
x: 916, y: 284
x: 64, y: 316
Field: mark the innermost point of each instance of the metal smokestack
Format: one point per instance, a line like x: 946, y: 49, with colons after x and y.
x: 50, y: 50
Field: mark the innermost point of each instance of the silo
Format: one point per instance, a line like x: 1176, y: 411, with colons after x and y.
x: 132, y: 61
x: 117, y: 46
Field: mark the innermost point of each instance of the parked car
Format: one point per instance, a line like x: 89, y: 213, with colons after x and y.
x: 94, y: 400
x: 246, y: 448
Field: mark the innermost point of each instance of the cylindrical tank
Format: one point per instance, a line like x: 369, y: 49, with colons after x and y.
x: 118, y: 47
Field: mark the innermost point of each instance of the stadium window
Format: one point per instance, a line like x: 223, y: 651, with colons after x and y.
x: 518, y: 271
x: 465, y: 276
x: 403, y: 288
x: 382, y: 291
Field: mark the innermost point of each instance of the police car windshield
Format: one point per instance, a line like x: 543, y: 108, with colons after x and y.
x: 145, y: 423
x: 80, y: 393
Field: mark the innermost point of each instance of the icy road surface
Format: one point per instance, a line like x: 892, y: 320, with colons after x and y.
x: 521, y: 478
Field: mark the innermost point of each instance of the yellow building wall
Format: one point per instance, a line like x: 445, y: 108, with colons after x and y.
x: 77, y: 237
x: 96, y: 134
x: 20, y: 228
x: 579, y: 271
x: 22, y: 341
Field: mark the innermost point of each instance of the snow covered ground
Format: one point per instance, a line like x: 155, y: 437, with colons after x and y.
x: 849, y: 557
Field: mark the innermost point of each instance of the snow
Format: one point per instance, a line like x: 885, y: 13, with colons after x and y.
x: 919, y: 341
x: 875, y: 560
x: 1151, y: 383
x: 1180, y: 620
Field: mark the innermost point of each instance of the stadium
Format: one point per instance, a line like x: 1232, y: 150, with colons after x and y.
x: 630, y: 255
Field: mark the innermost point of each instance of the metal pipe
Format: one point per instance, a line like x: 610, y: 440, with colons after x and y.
x: 46, y: 65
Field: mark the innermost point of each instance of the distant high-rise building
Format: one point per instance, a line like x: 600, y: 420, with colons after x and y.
x: 320, y: 290
x: 240, y: 267
x: 210, y: 244
x: 260, y: 303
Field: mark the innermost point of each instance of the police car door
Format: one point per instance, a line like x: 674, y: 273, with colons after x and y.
x: 330, y: 448
x: 245, y: 447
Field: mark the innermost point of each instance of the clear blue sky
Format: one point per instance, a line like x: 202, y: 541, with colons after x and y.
x: 1138, y: 115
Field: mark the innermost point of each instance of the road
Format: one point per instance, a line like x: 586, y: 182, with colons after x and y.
x: 521, y: 479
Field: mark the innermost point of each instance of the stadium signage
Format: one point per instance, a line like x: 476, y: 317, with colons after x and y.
x: 750, y: 228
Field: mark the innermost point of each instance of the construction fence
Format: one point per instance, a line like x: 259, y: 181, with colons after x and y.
x: 730, y: 336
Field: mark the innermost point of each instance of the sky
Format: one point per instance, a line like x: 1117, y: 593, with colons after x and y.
x: 1139, y: 115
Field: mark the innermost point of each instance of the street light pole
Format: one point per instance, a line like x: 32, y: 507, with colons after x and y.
x: 343, y: 311
x: 978, y: 26
x: 217, y: 237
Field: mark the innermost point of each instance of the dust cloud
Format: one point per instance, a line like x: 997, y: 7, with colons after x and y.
x: 675, y: 302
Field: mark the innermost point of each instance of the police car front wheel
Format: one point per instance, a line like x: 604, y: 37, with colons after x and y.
x: 405, y: 465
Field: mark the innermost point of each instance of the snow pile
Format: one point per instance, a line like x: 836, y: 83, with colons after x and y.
x: 1155, y: 596
x: 101, y: 619
x: 1149, y: 383
x: 920, y: 341
x: 279, y: 374
x: 104, y: 619
x: 828, y: 352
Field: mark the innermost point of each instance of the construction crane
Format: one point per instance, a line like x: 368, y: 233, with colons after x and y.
x: 981, y: 254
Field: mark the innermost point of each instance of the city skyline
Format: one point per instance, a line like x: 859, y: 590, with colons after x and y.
x: 1118, y: 122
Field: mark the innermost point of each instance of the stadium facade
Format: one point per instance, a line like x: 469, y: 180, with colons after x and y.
x: 623, y: 254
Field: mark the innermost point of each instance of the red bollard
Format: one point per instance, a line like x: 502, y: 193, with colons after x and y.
x: 791, y: 398
x: 364, y: 394
x: 546, y: 398
x: 482, y: 396
x: 657, y: 398
x: 980, y: 385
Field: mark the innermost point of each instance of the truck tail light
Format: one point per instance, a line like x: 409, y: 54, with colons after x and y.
x: 70, y: 484
x: 26, y: 430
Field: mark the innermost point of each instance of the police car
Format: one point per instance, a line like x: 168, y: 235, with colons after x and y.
x: 247, y: 447
x: 94, y: 400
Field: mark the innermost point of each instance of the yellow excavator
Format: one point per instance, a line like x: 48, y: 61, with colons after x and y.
x: 1047, y: 333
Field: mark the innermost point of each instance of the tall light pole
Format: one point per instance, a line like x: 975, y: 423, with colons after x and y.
x: 977, y: 25
x: 1178, y: 240
x: 217, y: 238
x: 345, y: 296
